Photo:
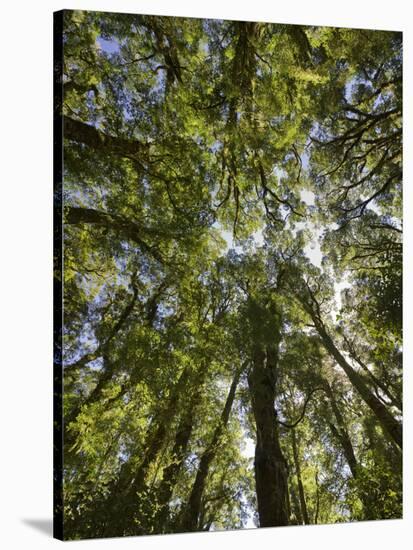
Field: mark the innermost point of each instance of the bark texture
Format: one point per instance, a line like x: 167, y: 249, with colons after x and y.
x: 271, y: 475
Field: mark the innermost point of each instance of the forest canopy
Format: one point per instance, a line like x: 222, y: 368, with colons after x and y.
x: 232, y: 266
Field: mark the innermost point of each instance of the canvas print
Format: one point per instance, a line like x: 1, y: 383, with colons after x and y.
x: 228, y: 261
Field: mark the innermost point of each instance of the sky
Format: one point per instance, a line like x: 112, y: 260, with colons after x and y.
x: 108, y: 46
x: 312, y: 250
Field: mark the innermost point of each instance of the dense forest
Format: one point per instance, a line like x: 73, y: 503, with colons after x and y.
x: 232, y: 267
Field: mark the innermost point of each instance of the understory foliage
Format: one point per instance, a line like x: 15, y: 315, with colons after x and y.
x: 221, y: 370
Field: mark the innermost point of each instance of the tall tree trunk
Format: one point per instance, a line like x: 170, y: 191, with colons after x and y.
x: 171, y: 472
x: 296, y: 505
x: 301, y: 493
x: 395, y: 401
x: 270, y: 466
x: 340, y: 432
x: 391, y: 427
x: 131, y: 487
x: 317, y: 506
x: 191, y: 514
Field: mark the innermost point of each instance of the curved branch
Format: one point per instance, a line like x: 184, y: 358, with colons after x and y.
x: 100, y: 350
x: 266, y: 190
x: 300, y: 418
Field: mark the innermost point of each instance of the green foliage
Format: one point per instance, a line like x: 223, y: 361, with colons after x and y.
x: 180, y: 136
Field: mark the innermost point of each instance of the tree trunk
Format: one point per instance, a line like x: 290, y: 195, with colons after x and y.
x: 396, y: 402
x: 190, y: 519
x: 301, y: 493
x: 171, y: 472
x: 80, y: 132
x: 125, y: 228
x: 340, y: 432
x: 317, y: 506
x: 130, y: 488
x: 296, y: 505
x: 391, y: 427
x: 270, y: 465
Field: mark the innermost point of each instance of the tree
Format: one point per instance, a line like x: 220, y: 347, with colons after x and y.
x: 202, y: 159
